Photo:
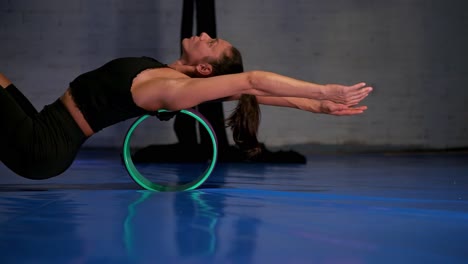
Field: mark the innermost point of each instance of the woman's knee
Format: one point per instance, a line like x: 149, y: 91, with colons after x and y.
x: 4, y: 81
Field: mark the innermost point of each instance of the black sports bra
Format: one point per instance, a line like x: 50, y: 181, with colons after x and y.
x: 103, y: 95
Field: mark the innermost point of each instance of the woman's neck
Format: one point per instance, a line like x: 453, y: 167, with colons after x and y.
x: 180, y: 66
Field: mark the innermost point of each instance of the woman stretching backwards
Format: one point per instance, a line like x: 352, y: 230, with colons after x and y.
x: 42, y: 145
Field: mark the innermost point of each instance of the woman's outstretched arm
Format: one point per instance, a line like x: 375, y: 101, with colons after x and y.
x: 341, y: 94
x: 175, y: 93
x: 312, y: 105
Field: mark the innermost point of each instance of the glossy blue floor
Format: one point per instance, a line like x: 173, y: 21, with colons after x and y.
x: 353, y: 208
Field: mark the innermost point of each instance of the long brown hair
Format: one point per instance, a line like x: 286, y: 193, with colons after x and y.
x: 245, y: 118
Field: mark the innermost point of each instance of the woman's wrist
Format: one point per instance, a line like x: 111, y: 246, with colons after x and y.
x: 309, y: 105
x: 324, y: 92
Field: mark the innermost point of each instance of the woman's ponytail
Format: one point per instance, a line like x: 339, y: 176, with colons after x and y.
x: 245, y: 119
x: 244, y: 122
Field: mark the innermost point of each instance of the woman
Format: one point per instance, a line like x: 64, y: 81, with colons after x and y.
x: 42, y: 145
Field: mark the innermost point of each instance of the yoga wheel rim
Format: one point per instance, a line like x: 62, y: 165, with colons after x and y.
x: 149, y: 185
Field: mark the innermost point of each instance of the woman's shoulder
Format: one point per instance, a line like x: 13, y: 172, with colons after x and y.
x: 166, y: 73
x: 157, y: 73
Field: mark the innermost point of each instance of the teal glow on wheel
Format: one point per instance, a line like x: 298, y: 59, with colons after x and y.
x: 146, y: 182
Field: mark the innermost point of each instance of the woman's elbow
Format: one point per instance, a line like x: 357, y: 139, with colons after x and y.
x: 254, y: 79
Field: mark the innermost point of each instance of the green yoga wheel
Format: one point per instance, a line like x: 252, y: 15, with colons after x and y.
x: 145, y: 182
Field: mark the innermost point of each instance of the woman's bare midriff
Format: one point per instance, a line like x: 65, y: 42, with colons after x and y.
x: 75, y: 112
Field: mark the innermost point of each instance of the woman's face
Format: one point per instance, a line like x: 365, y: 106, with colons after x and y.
x: 196, y: 49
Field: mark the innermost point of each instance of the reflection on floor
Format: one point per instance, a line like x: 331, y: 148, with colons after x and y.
x: 362, y: 208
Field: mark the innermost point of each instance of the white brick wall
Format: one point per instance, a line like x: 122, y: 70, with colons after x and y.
x: 413, y: 51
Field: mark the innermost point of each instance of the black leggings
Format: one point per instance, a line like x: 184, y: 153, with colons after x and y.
x: 36, y: 145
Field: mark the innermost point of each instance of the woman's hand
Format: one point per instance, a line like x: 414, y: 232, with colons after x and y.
x: 346, y: 95
x: 332, y: 108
